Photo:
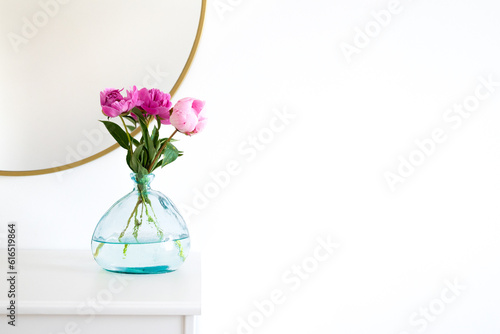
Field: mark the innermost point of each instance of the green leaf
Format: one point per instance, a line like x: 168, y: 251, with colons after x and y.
x: 131, y: 120
x: 133, y: 163
x: 151, y: 150
x: 136, y: 161
x: 158, y: 123
x: 137, y: 152
x: 131, y: 128
x: 139, y: 115
x: 118, y: 134
x: 142, y: 170
x: 148, y: 142
x: 144, y: 127
x: 154, y: 137
x: 158, y: 164
x: 135, y: 141
x: 170, y: 154
x: 144, y: 157
x: 163, y: 140
x: 129, y: 160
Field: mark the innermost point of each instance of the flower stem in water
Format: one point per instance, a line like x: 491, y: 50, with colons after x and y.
x: 143, y: 200
x: 130, y: 218
x: 98, y: 249
x: 125, y: 250
x: 181, y: 251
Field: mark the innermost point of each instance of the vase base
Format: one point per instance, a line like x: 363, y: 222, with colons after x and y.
x: 142, y: 271
x: 148, y: 258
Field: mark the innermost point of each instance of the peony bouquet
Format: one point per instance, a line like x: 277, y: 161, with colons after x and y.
x: 143, y: 107
x: 140, y: 109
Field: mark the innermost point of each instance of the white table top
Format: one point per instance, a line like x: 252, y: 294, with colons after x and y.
x: 70, y: 282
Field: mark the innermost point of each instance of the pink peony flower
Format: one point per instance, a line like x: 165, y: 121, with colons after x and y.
x: 156, y: 103
x: 134, y: 101
x: 188, y: 116
x: 113, y: 103
x: 133, y: 97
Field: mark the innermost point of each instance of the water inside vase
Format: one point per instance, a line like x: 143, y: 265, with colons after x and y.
x: 141, y: 258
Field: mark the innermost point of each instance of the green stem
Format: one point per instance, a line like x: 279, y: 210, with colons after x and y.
x: 130, y: 218
x: 125, y: 250
x: 181, y: 251
x: 97, y: 249
x: 159, y: 152
x: 128, y: 135
x: 137, y: 223
x: 159, y: 231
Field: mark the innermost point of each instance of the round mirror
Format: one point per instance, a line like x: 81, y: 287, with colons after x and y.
x: 57, y: 55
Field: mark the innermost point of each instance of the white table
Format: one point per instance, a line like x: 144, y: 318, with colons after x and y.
x: 67, y: 292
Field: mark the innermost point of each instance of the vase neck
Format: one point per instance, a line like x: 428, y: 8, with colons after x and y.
x: 142, y: 182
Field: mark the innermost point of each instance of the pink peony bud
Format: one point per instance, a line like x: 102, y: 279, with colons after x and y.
x: 188, y: 116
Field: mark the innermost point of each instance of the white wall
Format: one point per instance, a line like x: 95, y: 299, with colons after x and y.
x: 323, y: 174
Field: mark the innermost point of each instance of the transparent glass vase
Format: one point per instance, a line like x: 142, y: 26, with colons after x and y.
x: 142, y: 233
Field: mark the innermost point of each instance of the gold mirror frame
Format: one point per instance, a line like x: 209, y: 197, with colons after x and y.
x: 114, y: 146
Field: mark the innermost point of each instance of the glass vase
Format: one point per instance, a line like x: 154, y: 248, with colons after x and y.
x: 142, y: 233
